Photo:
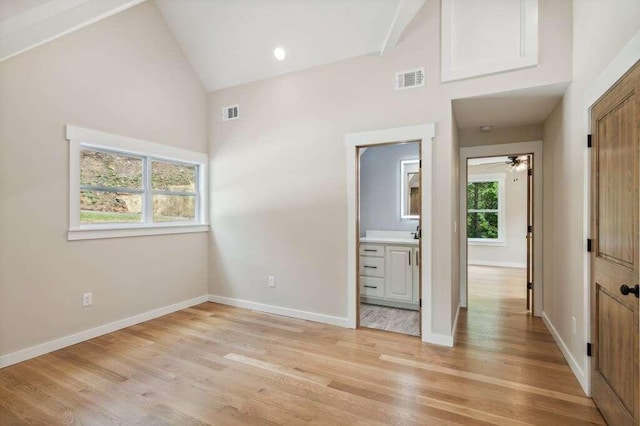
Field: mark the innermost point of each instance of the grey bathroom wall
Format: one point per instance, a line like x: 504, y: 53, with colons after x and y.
x: 380, y: 187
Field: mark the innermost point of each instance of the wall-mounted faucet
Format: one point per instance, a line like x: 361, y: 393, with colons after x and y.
x: 417, y: 234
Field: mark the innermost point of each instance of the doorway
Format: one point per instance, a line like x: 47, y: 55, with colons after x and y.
x: 423, y: 134
x: 499, y: 225
x: 520, y: 166
x: 389, y: 218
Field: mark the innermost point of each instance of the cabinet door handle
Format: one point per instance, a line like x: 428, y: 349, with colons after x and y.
x: 409, y: 259
x: 371, y: 286
x: 372, y: 267
x: 370, y: 250
x: 417, y: 259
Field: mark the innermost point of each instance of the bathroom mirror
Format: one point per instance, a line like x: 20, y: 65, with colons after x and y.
x: 410, y: 198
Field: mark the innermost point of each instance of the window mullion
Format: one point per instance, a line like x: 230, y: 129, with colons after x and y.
x: 99, y: 188
x: 147, y: 196
x: 176, y: 193
x: 196, y: 205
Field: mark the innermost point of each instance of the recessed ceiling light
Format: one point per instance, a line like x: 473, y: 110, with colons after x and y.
x: 279, y: 53
x: 486, y: 128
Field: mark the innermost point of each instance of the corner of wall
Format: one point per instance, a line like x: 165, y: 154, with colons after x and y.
x: 573, y: 363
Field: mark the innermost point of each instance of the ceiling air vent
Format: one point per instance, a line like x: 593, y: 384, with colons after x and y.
x: 410, y: 79
x: 230, y: 112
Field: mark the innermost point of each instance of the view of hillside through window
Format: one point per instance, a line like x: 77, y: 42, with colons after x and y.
x: 113, y: 188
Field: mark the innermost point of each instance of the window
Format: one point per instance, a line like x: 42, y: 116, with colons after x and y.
x: 125, y: 187
x: 485, y: 209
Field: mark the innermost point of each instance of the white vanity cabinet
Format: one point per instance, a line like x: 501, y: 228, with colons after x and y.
x: 398, y: 282
x: 390, y: 274
x: 372, y: 270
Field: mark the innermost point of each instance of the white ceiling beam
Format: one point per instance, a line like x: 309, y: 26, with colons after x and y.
x: 53, y: 19
x: 405, y: 12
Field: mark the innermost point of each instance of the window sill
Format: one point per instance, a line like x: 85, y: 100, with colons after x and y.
x: 98, y: 232
x: 494, y: 243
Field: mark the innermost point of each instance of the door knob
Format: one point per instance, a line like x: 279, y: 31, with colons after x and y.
x: 625, y: 289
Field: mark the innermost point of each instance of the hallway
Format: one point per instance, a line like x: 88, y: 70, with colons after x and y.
x: 225, y: 365
x: 516, y: 346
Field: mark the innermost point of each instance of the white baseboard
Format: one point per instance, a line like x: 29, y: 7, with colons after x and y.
x: 438, y: 339
x: 287, y: 312
x: 63, y: 342
x: 455, y: 324
x: 575, y: 367
x: 442, y: 339
x: 498, y: 264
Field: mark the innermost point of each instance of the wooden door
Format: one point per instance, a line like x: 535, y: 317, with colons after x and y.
x: 529, y: 281
x: 398, y: 273
x: 416, y: 275
x: 615, y: 123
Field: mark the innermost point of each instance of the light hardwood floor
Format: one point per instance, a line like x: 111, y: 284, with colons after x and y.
x: 223, y: 365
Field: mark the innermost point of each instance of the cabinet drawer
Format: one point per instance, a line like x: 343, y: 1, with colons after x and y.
x: 372, y: 266
x: 371, y: 287
x: 371, y: 250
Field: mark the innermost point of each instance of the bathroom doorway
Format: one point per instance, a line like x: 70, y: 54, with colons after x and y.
x: 423, y: 134
x: 389, y: 200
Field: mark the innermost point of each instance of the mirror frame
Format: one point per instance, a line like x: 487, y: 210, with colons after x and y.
x: 404, y: 165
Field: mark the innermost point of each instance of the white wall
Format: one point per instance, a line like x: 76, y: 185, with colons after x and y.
x: 123, y: 75
x: 380, y: 187
x: 278, y: 181
x: 601, y: 30
x: 514, y: 252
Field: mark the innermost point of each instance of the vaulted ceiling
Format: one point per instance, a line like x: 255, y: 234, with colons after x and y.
x: 230, y: 42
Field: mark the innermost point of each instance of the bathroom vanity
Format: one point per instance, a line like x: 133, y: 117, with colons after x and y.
x: 389, y: 269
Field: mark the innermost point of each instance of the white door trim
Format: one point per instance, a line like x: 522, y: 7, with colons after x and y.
x: 424, y: 134
x: 499, y: 150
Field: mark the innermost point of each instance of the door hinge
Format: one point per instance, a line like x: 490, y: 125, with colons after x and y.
x: 530, y: 172
x: 588, y: 141
x: 530, y: 228
x: 588, y: 349
x: 529, y: 286
x: 589, y: 245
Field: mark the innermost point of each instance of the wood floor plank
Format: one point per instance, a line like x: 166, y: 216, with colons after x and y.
x: 488, y: 379
x: 216, y: 364
x: 277, y: 369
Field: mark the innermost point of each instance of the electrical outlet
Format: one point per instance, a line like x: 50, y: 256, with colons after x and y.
x: 573, y: 324
x: 87, y: 299
x: 272, y: 281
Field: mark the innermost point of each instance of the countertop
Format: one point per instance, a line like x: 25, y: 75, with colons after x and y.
x: 383, y: 240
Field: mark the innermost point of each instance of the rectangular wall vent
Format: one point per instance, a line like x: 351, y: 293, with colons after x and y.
x: 231, y: 112
x: 410, y: 79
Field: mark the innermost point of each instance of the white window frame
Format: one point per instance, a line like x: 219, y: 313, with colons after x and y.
x: 500, y: 178
x: 80, y: 138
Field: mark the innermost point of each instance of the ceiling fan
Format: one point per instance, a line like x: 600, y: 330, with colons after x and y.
x: 515, y: 163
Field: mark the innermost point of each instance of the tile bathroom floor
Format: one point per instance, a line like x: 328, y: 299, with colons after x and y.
x: 390, y: 319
